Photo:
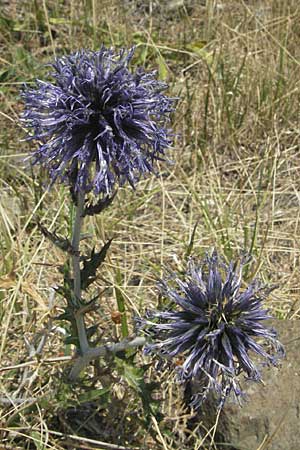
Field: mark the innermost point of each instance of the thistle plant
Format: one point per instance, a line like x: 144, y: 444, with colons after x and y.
x: 97, y: 125
x: 212, y: 328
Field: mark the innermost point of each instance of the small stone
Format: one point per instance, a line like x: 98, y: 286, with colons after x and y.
x: 270, y: 417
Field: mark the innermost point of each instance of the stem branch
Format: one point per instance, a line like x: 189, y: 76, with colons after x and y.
x: 94, y: 353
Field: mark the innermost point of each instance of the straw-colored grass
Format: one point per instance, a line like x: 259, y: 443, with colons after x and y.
x: 235, y: 67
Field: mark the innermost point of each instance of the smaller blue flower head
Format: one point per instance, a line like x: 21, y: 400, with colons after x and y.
x: 216, y: 326
x: 97, y: 123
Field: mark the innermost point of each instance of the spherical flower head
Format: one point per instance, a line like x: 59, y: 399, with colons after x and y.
x: 98, y: 124
x: 217, y: 325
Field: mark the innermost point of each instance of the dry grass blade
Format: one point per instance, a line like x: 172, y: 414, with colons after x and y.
x: 234, y: 67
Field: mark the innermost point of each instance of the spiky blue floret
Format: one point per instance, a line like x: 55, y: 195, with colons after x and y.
x: 216, y: 325
x: 98, y: 124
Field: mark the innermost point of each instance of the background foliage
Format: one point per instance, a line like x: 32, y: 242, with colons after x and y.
x: 234, y: 65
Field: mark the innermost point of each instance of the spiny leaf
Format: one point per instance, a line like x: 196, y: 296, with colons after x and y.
x: 135, y: 378
x: 90, y: 265
x: 98, y: 207
x: 66, y: 290
x: 62, y: 243
x: 65, y: 316
x: 91, y: 330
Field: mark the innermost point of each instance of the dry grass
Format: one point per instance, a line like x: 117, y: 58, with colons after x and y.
x: 235, y: 67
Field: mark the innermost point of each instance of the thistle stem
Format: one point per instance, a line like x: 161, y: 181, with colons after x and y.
x: 82, y: 336
x: 97, y: 352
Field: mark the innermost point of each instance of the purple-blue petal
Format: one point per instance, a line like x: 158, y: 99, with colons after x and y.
x: 108, y: 122
x: 214, y: 327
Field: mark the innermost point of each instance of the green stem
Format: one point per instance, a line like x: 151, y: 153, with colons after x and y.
x: 83, y: 340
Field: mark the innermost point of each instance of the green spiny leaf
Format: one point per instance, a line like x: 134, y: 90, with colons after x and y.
x: 135, y: 378
x: 64, y: 316
x: 91, y: 330
x: 98, y: 207
x: 62, y: 243
x: 90, y: 265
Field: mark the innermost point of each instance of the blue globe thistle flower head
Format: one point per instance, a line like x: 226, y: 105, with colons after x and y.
x: 216, y: 328
x: 98, y: 124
